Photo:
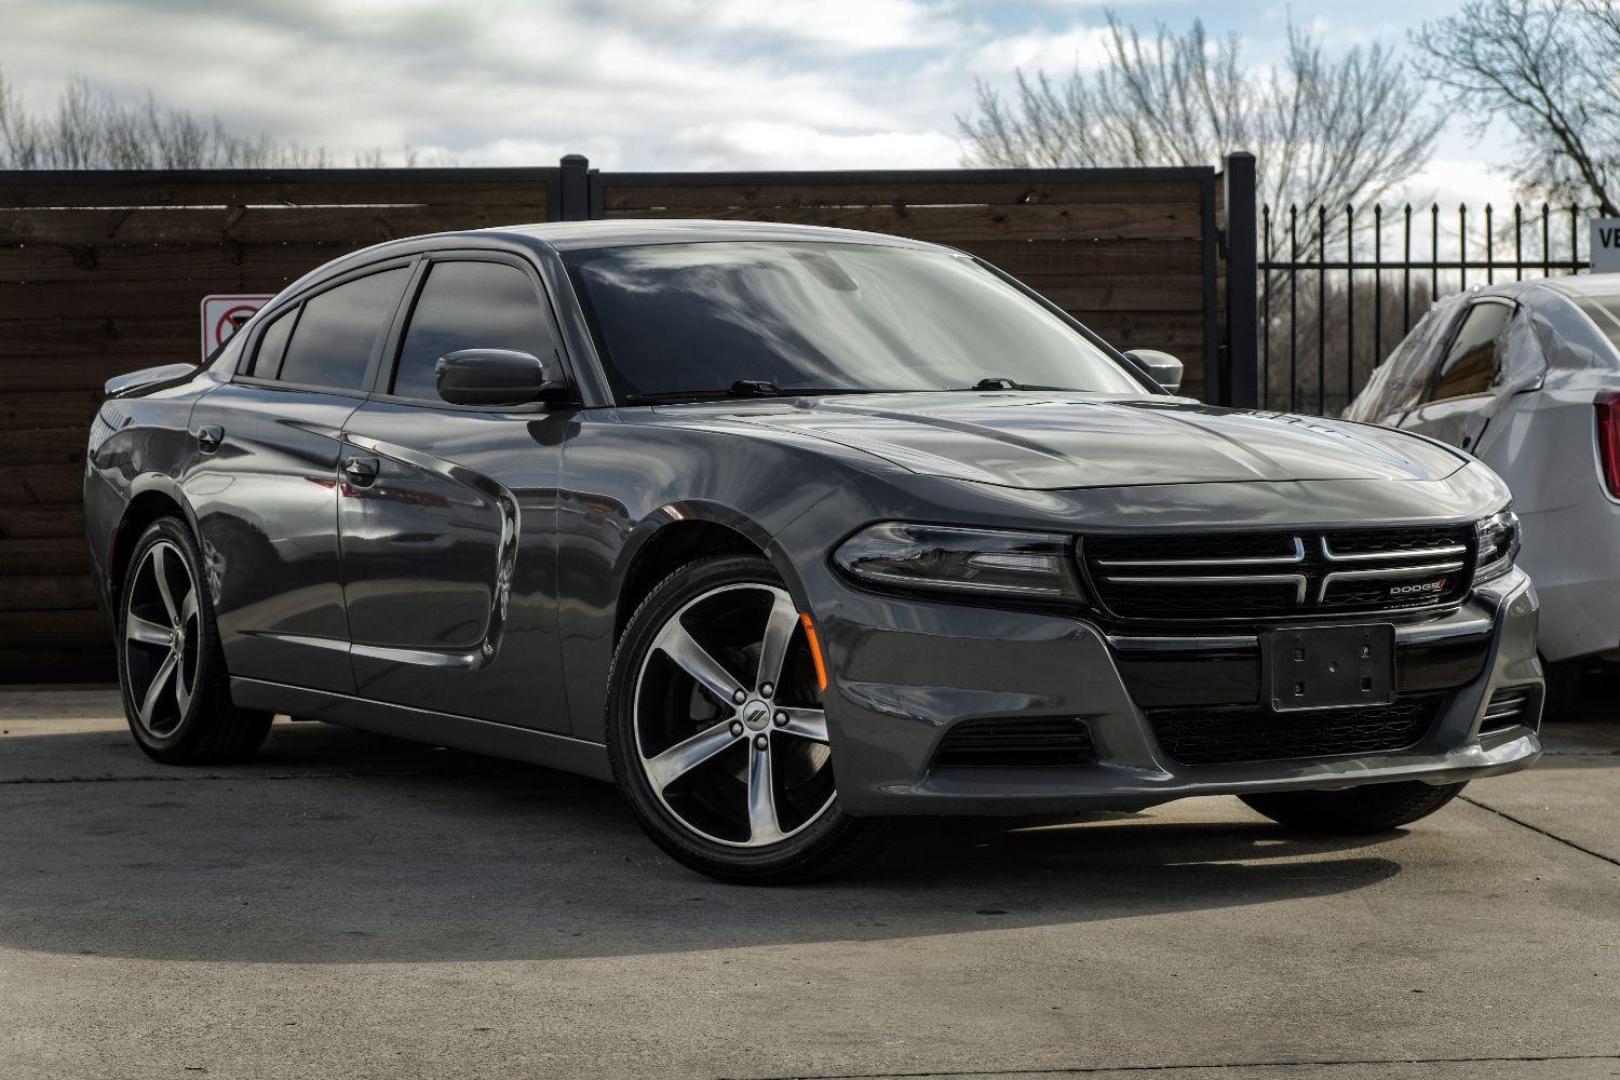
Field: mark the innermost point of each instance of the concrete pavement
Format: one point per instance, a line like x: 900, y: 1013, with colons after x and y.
x: 354, y: 906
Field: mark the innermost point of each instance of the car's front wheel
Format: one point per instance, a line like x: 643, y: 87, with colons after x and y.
x: 716, y: 732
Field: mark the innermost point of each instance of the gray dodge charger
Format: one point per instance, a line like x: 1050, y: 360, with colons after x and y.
x: 788, y: 531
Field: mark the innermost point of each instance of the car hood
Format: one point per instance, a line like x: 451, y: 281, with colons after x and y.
x: 1051, y: 441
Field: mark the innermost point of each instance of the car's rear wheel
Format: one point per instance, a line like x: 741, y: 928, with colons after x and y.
x: 716, y: 731
x: 170, y: 667
x: 1371, y: 809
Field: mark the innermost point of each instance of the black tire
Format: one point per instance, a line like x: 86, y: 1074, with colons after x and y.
x: 828, y: 841
x: 192, y: 721
x: 1372, y: 809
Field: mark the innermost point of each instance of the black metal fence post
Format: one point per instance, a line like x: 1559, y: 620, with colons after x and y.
x: 573, y: 188
x: 1242, y: 376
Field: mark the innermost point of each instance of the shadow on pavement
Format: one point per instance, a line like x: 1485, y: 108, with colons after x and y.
x: 339, y: 847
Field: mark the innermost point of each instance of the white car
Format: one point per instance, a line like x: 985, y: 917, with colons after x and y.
x: 1526, y: 376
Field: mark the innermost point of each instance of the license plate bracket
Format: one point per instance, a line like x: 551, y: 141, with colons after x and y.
x: 1328, y: 667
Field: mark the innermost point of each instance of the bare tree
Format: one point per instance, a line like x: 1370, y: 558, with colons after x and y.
x: 93, y: 129
x: 1546, y: 68
x: 1326, y: 131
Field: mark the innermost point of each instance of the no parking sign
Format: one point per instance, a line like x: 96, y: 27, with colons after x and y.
x: 223, y: 315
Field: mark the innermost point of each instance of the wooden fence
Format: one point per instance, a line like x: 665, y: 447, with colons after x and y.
x: 101, y: 273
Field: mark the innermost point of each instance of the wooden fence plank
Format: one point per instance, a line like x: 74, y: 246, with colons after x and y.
x: 26, y: 521
x: 48, y: 408
x: 91, y: 334
x: 685, y: 197
x: 69, y: 664
x: 89, y: 373
x: 952, y: 225
x: 42, y: 484
x: 354, y: 226
x: 42, y: 592
x: 1122, y: 292
x: 44, y: 629
x: 43, y: 556
x: 34, y: 449
x: 34, y: 264
x: 1030, y: 258
x: 58, y: 192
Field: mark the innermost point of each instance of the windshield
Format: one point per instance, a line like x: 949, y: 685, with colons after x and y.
x: 808, y: 316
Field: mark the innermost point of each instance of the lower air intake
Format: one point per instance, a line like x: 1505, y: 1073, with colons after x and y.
x: 1248, y: 733
x: 1510, y: 706
x: 1016, y: 743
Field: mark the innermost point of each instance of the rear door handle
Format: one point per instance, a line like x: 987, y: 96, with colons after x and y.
x: 361, y: 471
x: 209, y: 437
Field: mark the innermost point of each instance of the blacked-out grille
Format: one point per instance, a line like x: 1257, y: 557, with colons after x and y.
x: 1197, y: 578
x: 1044, y: 742
x: 1247, y: 733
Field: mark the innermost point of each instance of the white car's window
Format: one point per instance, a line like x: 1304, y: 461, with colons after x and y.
x: 1399, y: 382
x: 1472, y: 364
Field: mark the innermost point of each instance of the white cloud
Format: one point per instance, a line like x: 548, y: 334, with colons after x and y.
x: 835, y: 24
x: 759, y: 144
x: 635, y: 84
x: 1083, y: 47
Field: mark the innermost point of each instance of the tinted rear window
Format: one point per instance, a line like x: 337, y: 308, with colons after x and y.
x: 273, y: 345
x: 338, y: 330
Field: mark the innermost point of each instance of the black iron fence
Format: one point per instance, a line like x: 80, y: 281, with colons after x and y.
x: 1338, y: 291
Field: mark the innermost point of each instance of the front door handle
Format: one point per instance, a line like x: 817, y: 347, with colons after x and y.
x: 209, y: 437
x: 361, y: 471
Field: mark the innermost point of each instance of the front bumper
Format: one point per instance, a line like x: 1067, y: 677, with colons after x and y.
x: 906, y: 671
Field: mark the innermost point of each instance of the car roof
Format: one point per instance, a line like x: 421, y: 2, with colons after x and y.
x: 587, y: 235
x: 1581, y: 312
x: 1600, y: 289
x: 617, y: 232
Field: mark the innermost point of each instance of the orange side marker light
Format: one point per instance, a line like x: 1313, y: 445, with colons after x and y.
x: 815, y: 651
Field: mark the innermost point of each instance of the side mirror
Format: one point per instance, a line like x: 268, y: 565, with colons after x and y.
x: 496, y: 377
x: 1165, y: 369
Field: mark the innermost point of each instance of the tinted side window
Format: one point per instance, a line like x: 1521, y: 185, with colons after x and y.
x: 1471, y: 363
x: 469, y: 305
x: 338, y: 329
x: 273, y: 345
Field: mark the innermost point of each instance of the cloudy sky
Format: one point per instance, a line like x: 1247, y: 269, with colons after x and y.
x: 635, y: 84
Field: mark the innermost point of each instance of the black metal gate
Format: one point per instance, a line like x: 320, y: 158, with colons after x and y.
x: 1326, y: 322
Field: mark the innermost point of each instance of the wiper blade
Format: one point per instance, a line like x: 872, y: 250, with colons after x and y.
x: 997, y: 383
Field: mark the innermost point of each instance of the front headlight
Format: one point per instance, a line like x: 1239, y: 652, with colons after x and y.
x: 1019, y: 565
x: 1497, y: 541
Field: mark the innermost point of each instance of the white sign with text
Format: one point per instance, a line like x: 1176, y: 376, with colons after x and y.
x: 1604, y: 238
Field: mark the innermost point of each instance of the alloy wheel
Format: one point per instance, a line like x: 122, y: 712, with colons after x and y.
x: 162, y: 627
x: 728, y: 720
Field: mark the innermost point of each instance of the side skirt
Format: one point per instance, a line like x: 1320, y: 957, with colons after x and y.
x: 425, y: 726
